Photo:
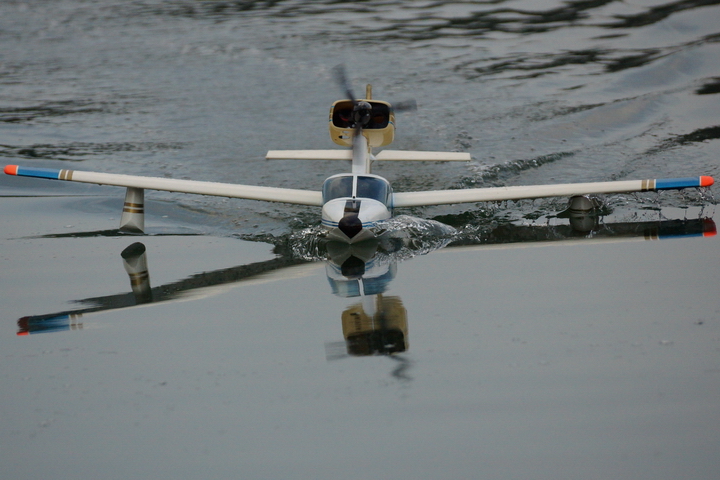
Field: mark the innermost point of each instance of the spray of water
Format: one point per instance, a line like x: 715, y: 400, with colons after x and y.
x: 399, y: 238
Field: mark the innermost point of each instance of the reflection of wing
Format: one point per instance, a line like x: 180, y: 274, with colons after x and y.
x: 251, y: 192
x: 70, y: 319
x: 516, y: 235
x: 197, y: 281
x: 471, y: 195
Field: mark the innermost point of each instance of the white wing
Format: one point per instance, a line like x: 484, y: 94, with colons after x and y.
x: 251, y: 192
x: 471, y: 195
x: 402, y: 199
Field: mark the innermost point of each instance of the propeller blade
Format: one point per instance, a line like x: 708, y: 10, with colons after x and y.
x: 341, y: 79
x: 361, y: 110
x: 405, y: 106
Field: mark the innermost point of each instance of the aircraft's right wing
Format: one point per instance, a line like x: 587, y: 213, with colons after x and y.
x: 472, y: 195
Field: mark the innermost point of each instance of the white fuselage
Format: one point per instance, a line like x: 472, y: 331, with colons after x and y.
x: 363, y: 199
x: 371, y: 211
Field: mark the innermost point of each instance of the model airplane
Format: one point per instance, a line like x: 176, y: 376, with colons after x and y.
x: 352, y: 203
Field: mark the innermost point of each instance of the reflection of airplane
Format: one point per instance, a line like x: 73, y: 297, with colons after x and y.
x: 377, y: 325
x: 352, y: 203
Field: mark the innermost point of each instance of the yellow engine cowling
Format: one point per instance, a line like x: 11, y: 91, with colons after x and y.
x: 379, y: 132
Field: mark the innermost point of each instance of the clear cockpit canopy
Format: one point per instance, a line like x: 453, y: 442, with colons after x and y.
x: 358, y: 186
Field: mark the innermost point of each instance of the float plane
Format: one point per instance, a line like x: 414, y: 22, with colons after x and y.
x: 352, y: 203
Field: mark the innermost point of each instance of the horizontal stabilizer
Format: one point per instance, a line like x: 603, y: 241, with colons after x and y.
x: 309, y: 155
x: 423, y: 156
x: 385, y: 155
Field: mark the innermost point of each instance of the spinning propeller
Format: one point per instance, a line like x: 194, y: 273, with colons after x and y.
x: 363, y: 111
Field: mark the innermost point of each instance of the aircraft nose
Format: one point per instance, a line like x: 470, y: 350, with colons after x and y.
x: 350, y: 225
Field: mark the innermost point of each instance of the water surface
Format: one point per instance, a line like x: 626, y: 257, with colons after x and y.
x: 529, y: 349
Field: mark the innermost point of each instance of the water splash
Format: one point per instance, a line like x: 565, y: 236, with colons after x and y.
x: 398, y: 238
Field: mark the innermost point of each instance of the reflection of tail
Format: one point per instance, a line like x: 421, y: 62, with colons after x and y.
x: 383, y: 332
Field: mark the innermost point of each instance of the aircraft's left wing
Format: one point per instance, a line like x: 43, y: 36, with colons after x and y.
x: 251, y: 192
x: 471, y: 195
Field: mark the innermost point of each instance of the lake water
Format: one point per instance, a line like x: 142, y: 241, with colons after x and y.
x: 497, y: 343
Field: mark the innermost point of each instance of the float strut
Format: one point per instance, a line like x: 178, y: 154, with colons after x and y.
x: 133, y: 214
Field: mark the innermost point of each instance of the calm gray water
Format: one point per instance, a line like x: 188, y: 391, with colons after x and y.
x: 593, y: 359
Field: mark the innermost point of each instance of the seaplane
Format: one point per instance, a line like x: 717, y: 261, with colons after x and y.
x: 354, y: 203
